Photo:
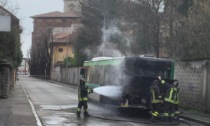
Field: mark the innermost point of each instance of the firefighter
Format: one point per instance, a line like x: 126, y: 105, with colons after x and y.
x: 176, y: 102
x: 156, y: 100
x: 83, y: 92
x: 168, y: 92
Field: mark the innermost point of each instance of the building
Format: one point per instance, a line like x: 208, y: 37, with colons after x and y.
x: 23, y: 68
x: 61, y: 30
x: 10, y: 50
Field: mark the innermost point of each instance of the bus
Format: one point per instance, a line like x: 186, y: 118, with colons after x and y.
x: 133, y: 74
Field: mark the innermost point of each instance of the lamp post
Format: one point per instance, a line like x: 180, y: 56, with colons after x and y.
x: 103, y: 24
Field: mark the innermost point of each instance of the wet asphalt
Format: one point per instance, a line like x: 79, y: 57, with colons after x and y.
x: 55, y: 105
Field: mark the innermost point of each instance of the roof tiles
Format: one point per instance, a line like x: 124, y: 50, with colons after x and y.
x: 57, y: 14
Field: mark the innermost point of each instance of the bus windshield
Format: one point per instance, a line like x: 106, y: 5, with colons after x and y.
x: 148, y: 68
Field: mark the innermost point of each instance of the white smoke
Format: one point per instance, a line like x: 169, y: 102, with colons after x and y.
x: 110, y: 49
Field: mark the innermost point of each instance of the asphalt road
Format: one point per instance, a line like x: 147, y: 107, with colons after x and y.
x: 55, y: 105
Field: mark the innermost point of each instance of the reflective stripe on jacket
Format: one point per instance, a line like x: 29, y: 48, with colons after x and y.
x: 83, y: 92
x: 155, y: 94
x: 170, y: 94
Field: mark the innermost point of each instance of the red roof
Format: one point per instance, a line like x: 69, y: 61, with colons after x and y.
x: 63, y: 37
x: 57, y: 14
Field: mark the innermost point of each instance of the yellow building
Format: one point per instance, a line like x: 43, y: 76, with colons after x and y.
x: 62, y: 47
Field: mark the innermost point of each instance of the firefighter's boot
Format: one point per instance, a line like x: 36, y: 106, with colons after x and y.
x: 86, y: 114
x: 78, y: 114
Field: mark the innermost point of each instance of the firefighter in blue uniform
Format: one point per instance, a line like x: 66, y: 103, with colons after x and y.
x: 83, y: 92
x: 156, y: 100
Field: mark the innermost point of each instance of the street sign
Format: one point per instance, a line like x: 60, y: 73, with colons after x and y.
x: 5, y: 23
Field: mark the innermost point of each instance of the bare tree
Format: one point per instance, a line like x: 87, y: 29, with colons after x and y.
x: 40, y: 57
x: 13, y: 8
x: 176, y: 29
x: 188, y: 28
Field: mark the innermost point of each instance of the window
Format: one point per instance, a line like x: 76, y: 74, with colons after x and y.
x: 60, y: 50
x: 49, y: 31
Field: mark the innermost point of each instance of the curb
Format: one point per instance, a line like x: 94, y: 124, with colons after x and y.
x: 203, y: 122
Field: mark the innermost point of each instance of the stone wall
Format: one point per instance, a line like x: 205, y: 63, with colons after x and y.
x: 5, y: 81
x: 193, y: 78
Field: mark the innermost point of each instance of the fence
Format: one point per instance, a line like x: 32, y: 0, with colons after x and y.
x: 66, y: 75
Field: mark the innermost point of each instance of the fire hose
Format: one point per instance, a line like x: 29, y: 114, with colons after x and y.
x: 142, y: 122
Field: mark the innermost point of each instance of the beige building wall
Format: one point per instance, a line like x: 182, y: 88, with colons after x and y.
x: 61, y: 55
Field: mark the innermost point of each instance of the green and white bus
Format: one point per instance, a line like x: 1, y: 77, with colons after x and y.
x: 133, y: 74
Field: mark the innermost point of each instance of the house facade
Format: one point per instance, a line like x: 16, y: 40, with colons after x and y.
x: 10, y: 50
x: 60, y: 29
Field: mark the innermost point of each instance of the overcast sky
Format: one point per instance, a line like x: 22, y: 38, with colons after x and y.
x: 28, y: 8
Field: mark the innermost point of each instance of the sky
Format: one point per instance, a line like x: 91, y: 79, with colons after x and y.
x: 28, y: 8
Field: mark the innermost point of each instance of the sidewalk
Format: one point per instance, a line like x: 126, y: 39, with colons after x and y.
x: 16, y: 110
x: 196, y: 116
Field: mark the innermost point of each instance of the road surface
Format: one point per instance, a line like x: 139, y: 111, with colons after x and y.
x: 56, y: 104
